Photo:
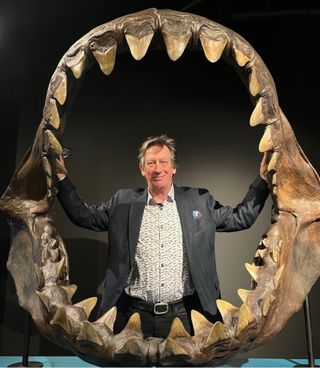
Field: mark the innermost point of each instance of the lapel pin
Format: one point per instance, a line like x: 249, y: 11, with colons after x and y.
x: 196, y: 214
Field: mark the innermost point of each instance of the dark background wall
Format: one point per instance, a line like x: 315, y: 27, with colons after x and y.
x: 204, y: 106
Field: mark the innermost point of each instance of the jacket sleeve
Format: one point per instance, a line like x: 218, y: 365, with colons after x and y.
x: 245, y: 213
x: 79, y: 212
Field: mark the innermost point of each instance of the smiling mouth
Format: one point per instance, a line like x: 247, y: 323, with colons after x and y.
x: 286, y: 262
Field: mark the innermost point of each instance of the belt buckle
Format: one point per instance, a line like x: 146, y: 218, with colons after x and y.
x: 161, y: 308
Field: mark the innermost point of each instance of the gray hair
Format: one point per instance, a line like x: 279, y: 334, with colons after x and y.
x: 161, y: 140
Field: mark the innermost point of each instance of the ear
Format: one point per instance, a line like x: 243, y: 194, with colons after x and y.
x: 142, y: 170
x: 174, y: 170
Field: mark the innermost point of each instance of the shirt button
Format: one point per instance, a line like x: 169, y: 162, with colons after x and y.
x: 162, y: 264
x: 161, y: 245
x: 162, y: 284
x: 161, y: 227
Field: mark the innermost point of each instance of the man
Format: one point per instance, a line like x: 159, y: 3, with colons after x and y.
x: 161, y: 255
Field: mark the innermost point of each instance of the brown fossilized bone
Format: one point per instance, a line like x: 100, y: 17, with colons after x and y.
x: 287, y: 260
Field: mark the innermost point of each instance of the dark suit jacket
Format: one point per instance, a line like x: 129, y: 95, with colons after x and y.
x: 200, y: 215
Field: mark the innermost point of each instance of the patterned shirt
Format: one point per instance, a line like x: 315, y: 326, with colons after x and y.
x: 161, y: 269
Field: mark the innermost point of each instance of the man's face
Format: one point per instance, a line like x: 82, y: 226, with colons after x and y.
x: 158, y: 168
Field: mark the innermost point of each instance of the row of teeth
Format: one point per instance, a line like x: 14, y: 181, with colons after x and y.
x: 256, y: 302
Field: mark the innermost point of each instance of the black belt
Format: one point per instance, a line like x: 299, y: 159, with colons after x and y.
x: 156, y: 308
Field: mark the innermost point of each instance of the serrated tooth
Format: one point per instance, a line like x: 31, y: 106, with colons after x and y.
x: 213, y: 49
x: 277, y: 276
x: 47, y: 166
x: 243, y: 294
x: 90, y: 334
x: 106, y: 58
x: 45, y: 300
x: 245, y: 318
x: 60, y: 319
x: 274, y: 179
x: 77, y: 63
x: 87, y: 305
x: 219, y: 332
x: 172, y: 347
x: 254, y: 85
x: 266, y: 302
x: 138, y: 46
x: 175, y: 45
x: 108, y: 318
x: 60, y: 93
x: 253, y: 270
x: 132, y: 353
x: 266, y: 141
x: 54, y: 143
x: 177, y: 329
x: 261, y: 253
x: 60, y: 168
x: 273, y: 162
x: 241, y: 58
x: 257, y: 117
x: 70, y: 290
x: 275, y: 255
x: 227, y: 310
x: 199, y: 322
x: 54, y: 117
x: 134, y: 324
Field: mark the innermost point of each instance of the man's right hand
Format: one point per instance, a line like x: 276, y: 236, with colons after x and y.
x: 61, y: 169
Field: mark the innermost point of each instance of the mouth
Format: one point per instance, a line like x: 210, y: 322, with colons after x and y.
x: 287, y: 260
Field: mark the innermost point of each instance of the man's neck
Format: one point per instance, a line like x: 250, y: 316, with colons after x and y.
x: 161, y: 194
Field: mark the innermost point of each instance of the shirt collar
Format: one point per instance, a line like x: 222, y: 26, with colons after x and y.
x: 169, y: 198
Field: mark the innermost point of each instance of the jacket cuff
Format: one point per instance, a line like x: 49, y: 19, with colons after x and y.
x: 64, y: 185
x: 259, y: 183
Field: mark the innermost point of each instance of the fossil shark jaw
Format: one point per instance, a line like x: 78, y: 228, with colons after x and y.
x: 278, y: 290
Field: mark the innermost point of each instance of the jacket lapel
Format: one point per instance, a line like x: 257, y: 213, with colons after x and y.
x: 135, y: 218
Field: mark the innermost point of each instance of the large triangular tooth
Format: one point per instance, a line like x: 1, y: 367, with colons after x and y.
x: 54, y: 117
x: 90, y: 334
x: 253, y: 270
x: 132, y: 346
x: 272, y: 166
x: 227, y: 311
x: 132, y: 353
x: 213, y: 49
x: 173, y: 348
x: 241, y: 58
x: 245, y: 318
x: 77, y: 63
x: 134, y: 324
x: 106, y: 58
x: 257, y: 114
x: 53, y: 142
x: 266, y: 303
x: 266, y: 143
x: 60, y: 319
x: 243, y: 294
x: 87, y: 305
x: 45, y: 300
x: 175, y: 45
x: 277, y: 276
x: 199, y: 322
x: 60, y: 93
x: 254, y: 85
x: 108, y: 318
x: 219, y: 332
x: 177, y: 329
x: 138, y: 46
x: 60, y: 168
x: 39, y: 275
x: 70, y: 290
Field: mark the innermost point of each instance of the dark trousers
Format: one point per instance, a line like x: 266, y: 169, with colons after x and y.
x: 158, y: 325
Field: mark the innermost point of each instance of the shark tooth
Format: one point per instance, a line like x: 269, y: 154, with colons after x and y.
x: 133, y: 352
x: 266, y: 143
x: 47, y: 166
x: 241, y: 58
x: 45, y: 300
x: 213, y: 49
x: 70, y: 290
x: 245, y: 318
x: 266, y: 303
x: 253, y: 270
x: 273, y: 162
x: 257, y: 117
x: 177, y: 329
x: 89, y: 334
x: 138, y: 46
x: 173, y: 348
x: 277, y: 276
x: 227, y: 310
x: 261, y: 253
x: 61, y: 319
x: 254, y: 85
x: 77, y: 63
x: 176, y: 45
x: 275, y: 255
x: 60, y: 168
x: 87, y: 305
x: 134, y: 324
x: 54, y: 117
x: 199, y: 322
x: 53, y: 142
x: 106, y: 57
x: 60, y: 93
x: 108, y: 318
x: 274, y: 179
x: 219, y: 332
x: 243, y: 294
